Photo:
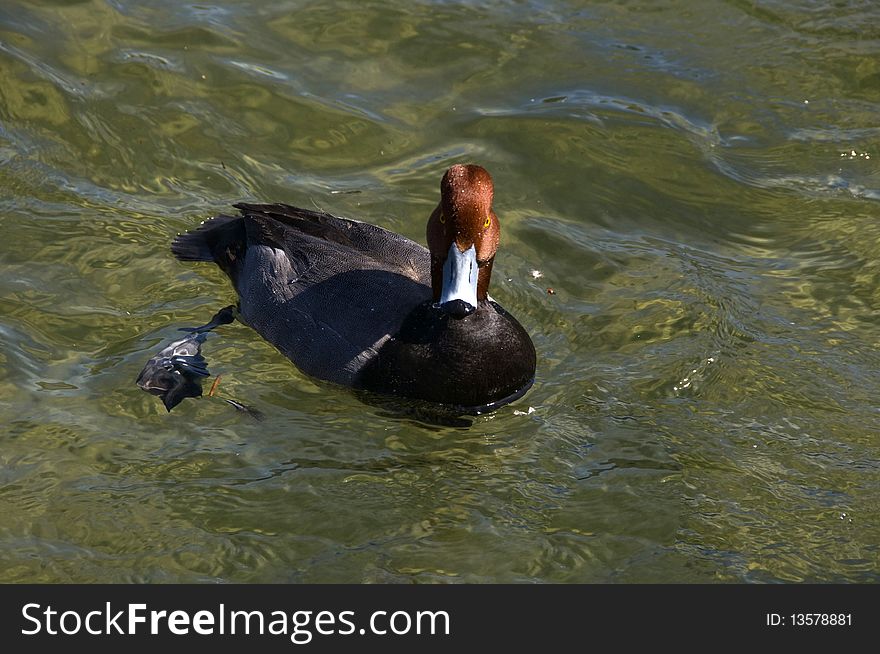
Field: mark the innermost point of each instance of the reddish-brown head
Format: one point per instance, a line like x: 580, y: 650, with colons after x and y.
x: 463, y: 235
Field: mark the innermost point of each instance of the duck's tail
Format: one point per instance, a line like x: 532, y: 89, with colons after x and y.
x: 217, y: 239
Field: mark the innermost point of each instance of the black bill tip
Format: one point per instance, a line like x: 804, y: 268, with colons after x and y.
x: 457, y: 308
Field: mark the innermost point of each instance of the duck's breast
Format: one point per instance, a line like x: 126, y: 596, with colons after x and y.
x: 483, y: 359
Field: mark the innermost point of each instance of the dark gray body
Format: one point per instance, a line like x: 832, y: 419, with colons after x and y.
x: 351, y: 303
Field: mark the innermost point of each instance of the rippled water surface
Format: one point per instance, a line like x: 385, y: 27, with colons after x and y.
x: 697, y: 181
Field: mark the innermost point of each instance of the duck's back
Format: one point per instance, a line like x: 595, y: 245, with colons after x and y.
x: 327, y: 292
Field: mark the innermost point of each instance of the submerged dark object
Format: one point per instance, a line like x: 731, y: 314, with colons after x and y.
x: 248, y: 410
x: 177, y: 370
x: 357, y: 305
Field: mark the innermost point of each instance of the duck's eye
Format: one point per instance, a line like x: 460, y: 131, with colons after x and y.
x: 488, y: 222
x: 442, y: 218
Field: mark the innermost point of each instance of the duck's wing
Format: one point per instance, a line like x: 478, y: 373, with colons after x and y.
x: 306, y: 236
x: 283, y: 226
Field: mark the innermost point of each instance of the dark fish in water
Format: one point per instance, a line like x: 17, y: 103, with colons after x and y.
x: 176, y: 372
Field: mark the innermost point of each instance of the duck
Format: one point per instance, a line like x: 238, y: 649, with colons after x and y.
x: 354, y: 304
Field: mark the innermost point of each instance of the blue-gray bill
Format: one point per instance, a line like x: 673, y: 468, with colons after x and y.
x: 459, y: 295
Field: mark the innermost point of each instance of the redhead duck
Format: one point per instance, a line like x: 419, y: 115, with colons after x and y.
x: 357, y: 305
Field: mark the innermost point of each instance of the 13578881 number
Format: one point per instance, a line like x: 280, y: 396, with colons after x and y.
x: 821, y: 619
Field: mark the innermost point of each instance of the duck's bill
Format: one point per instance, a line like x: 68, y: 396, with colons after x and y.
x: 458, y: 297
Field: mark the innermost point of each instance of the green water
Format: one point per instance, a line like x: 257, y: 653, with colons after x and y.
x: 698, y: 182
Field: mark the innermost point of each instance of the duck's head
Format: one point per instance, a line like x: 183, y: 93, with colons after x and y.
x: 463, y: 235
